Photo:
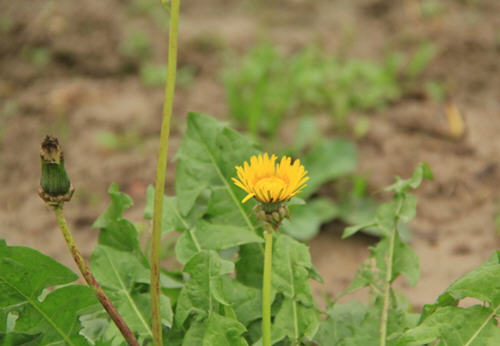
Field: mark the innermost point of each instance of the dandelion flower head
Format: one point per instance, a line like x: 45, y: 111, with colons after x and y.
x: 269, y: 181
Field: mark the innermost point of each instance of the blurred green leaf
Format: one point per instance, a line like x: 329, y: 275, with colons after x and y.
x: 473, y: 326
x: 307, y: 218
x: 420, y: 60
x: 215, y: 330
x: 339, y: 323
x: 136, y: 45
x: 246, y: 301
x: 326, y: 161
x: 405, y: 261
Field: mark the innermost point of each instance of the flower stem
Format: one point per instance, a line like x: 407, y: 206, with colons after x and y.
x: 91, y: 281
x: 161, y: 169
x: 266, y: 289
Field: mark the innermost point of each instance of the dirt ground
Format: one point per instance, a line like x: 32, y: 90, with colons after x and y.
x: 89, y: 87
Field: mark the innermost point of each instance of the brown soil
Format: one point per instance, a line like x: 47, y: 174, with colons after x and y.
x: 89, y: 86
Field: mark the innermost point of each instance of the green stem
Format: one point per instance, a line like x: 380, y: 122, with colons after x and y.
x: 161, y: 169
x: 387, y: 288
x: 91, y: 281
x: 266, y: 289
x: 388, y: 278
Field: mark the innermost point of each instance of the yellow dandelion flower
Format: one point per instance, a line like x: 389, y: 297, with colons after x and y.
x: 269, y: 182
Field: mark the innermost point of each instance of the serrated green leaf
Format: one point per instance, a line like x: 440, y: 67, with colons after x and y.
x: 351, y: 230
x: 291, y: 264
x: 219, y: 237
x: 172, y: 219
x: 473, y: 326
x: 207, y: 158
x: 292, y: 268
x: 24, y: 274
x: 405, y: 261
x: 307, y: 219
x: 364, y: 277
x: 208, y: 236
x: 361, y: 210
x: 328, y: 160
x: 246, y: 301
x: 482, y: 283
x: 215, y: 330
x: 295, y: 322
x: 116, y: 231
x: 341, y: 323
x: 118, y: 272
x: 120, y: 202
x: 367, y: 331
x: 408, y: 207
x: 386, y: 217
x: 250, y: 265
x: 201, y: 294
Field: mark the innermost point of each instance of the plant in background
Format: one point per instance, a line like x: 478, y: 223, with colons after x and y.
x: 267, y: 86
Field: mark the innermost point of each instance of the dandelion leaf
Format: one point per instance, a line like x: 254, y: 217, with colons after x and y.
x: 31, y: 314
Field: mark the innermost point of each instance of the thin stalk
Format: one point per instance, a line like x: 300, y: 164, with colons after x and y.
x: 161, y: 170
x: 91, y: 281
x: 266, y: 289
x: 387, y: 288
x: 388, y: 277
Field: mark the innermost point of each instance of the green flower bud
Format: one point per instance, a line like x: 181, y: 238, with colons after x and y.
x: 55, y: 186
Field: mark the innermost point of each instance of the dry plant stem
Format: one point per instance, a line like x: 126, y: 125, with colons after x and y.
x: 91, y: 281
x: 161, y: 169
x: 266, y: 288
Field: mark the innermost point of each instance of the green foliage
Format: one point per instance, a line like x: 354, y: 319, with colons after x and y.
x: 136, y: 45
x: 124, y: 279
x: 38, y: 56
x: 473, y: 325
x: 389, y: 259
x: 122, y: 268
x: 266, y: 86
x: 217, y: 298
x: 308, y: 218
x: 211, y: 300
x: 29, y: 311
x: 420, y: 60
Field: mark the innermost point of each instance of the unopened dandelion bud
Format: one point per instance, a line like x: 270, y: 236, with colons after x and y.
x: 55, y: 186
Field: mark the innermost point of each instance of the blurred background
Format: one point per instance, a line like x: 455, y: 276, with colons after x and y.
x: 360, y: 90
